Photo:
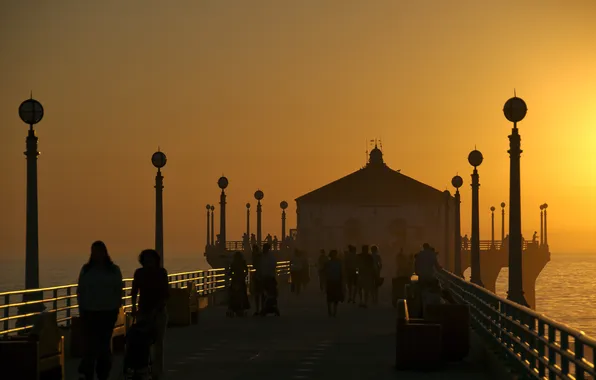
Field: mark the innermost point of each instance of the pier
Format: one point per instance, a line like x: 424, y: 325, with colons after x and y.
x: 506, y: 339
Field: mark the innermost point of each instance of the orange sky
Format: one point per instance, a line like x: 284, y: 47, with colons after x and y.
x: 282, y: 95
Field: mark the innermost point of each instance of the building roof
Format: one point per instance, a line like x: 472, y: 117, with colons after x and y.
x: 375, y: 184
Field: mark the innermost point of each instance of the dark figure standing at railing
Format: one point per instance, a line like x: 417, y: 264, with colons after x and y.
x: 245, y: 242
x: 275, y: 242
x: 256, y: 287
x: 465, y: 242
x: 253, y: 240
x: 99, y: 295
x: 269, y: 239
x: 151, y: 281
x: 535, y: 237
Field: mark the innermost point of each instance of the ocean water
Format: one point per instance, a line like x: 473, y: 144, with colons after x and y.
x: 565, y: 290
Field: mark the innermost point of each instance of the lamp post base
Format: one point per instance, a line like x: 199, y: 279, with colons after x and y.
x: 477, y: 281
x: 517, y: 297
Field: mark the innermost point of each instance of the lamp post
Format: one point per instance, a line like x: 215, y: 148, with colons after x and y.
x: 259, y: 196
x: 492, y: 227
x: 446, y: 230
x: 159, y: 159
x: 208, y: 230
x: 31, y: 112
x: 545, y: 240
x: 541, y: 225
x: 457, y: 182
x: 515, y: 110
x: 222, y: 183
x: 248, y: 221
x: 502, y: 222
x: 212, y: 225
x: 283, y: 205
x: 475, y: 159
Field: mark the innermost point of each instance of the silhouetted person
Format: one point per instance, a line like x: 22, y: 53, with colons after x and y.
x: 268, y: 274
x: 253, y: 240
x: 238, y: 300
x: 535, y: 237
x: 425, y: 265
x: 351, y: 273
x: 321, y: 268
x: 296, y: 271
x: 99, y: 295
x: 377, y: 266
x: 465, y: 241
x: 151, y: 281
x: 245, y: 241
x: 256, y: 287
x: 366, y: 275
x: 275, y: 242
x: 333, y: 274
x: 404, y: 269
x: 269, y: 239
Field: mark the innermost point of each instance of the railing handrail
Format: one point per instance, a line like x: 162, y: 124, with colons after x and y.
x: 206, y: 281
x: 529, y: 337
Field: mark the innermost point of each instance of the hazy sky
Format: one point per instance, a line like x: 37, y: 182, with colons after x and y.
x: 282, y: 95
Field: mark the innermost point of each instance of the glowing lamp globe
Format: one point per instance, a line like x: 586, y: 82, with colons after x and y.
x: 248, y: 205
x: 159, y: 159
x: 208, y: 207
x: 283, y: 205
x: 212, y: 208
x: 222, y: 183
x: 457, y: 181
x: 515, y: 109
x: 259, y: 195
x: 502, y: 204
x: 475, y: 158
x: 492, y: 208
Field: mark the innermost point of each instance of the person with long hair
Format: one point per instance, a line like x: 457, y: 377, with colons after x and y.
x: 334, y: 282
x: 99, y: 295
x: 151, y: 282
x: 238, y: 296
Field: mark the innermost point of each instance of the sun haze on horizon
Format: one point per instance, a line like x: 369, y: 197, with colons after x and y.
x: 282, y: 96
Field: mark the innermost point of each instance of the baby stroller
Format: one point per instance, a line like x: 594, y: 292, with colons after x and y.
x: 269, y: 305
x: 137, y: 357
x: 238, y: 302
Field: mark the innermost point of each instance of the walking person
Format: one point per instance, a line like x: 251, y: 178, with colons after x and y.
x: 351, y: 273
x: 256, y: 287
x: 296, y: 272
x: 99, y: 295
x: 335, y: 283
x: 378, y: 267
x: 150, y: 284
x: 323, y: 258
x: 366, y: 275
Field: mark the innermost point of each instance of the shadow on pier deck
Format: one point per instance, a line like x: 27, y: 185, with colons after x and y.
x: 304, y: 343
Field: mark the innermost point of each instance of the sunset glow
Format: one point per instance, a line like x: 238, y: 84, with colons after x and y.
x: 282, y: 96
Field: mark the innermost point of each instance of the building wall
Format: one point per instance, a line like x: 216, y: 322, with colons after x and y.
x: 407, y: 226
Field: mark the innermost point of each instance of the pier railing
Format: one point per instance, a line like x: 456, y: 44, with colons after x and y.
x: 17, y: 307
x: 538, y: 347
x: 486, y: 245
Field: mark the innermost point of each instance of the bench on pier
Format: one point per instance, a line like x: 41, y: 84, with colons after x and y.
x: 39, y: 354
x: 117, y: 342
x: 184, y: 305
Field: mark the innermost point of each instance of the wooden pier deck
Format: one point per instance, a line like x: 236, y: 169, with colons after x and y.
x: 304, y: 343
